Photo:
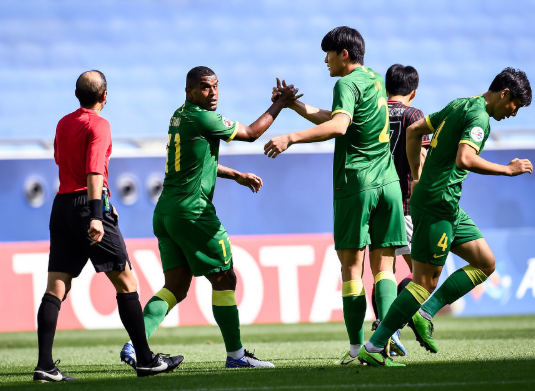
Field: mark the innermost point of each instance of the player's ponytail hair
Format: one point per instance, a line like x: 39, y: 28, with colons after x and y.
x: 516, y: 82
x: 344, y: 37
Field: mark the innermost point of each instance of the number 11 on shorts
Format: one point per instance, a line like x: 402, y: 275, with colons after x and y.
x: 222, y: 243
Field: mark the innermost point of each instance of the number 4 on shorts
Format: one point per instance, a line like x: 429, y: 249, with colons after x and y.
x: 443, y: 242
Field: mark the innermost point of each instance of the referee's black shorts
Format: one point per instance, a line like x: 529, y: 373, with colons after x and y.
x: 70, y: 243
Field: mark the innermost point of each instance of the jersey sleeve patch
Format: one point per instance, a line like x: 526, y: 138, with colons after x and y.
x: 228, y: 123
x: 477, y: 134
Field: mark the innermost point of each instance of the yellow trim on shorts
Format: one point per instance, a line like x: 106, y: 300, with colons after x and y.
x: 473, y: 145
x: 236, y: 125
x: 386, y: 275
x: 223, y: 298
x: 475, y: 274
x: 428, y: 121
x: 353, y: 288
x: 167, y: 296
x: 419, y: 292
x: 341, y: 111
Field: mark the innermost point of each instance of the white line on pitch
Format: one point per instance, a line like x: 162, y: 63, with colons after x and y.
x: 359, y: 385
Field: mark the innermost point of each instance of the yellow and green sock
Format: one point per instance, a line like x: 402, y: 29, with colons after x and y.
x: 400, y: 312
x: 156, y: 309
x: 456, y: 286
x: 386, y: 291
x: 354, y: 300
x: 226, y: 315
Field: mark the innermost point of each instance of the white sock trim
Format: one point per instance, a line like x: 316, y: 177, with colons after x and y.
x: 354, y: 350
x: 237, y: 354
x: 425, y: 315
x: 372, y: 349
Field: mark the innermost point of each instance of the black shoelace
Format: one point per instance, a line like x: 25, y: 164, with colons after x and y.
x: 250, y: 355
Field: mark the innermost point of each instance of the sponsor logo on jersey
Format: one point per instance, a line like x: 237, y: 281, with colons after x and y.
x: 174, y: 121
x: 228, y: 123
x: 477, y: 134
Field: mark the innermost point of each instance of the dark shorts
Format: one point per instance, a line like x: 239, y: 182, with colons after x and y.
x: 70, y: 243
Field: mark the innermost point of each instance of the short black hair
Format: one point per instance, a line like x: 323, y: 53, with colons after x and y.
x: 194, y: 75
x: 516, y: 81
x: 401, y: 80
x: 344, y: 37
x: 88, y: 90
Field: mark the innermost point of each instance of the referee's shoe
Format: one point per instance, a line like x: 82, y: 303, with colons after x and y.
x: 161, y: 363
x: 51, y: 375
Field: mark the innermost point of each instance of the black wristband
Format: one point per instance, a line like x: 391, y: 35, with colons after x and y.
x: 95, y: 209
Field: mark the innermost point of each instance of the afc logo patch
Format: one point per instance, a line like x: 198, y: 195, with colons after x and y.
x: 477, y: 134
x: 228, y: 123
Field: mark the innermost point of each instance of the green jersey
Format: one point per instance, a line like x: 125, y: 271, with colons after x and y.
x: 191, y: 165
x: 362, y: 158
x: 461, y: 121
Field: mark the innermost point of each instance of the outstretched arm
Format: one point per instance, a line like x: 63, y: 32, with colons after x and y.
x: 313, y: 114
x: 256, y: 129
x: 335, y: 127
x: 414, y: 147
x: 468, y: 159
x: 247, y: 179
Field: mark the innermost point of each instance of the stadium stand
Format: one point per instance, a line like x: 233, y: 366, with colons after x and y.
x: 146, y: 48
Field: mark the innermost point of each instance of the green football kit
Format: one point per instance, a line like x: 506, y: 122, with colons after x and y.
x: 368, y: 205
x: 368, y: 208
x: 439, y: 222
x: 185, y: 220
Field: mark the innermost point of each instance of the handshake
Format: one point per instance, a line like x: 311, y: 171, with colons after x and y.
x: 286, y: 94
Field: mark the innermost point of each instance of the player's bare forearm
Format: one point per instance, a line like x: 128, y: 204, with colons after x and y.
x: 248, y: 179
x: 337, y: 126
x: 226, y: 172
x: 468, y: 159
x: 313, y: 114
x: 95, y: 182
x: 414, y: 146
x: 256, y: 129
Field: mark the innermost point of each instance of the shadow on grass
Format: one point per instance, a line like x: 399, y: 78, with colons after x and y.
x: 311, y: 374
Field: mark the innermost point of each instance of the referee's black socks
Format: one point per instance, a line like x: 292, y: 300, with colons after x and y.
x: 47, y: 319
x: 132, y: 317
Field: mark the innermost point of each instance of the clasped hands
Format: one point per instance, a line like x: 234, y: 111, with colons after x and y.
x: 277, y: 145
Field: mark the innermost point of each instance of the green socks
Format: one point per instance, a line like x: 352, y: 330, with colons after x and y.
x: 156, y: 309
x: 386, y: 291
x: 400, y: 312
x: 456, y: 286
x: 226, y: 315
x: 354, y: 298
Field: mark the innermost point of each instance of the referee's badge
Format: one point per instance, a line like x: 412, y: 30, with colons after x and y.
x: 228, y: 123
x: 477, y: 134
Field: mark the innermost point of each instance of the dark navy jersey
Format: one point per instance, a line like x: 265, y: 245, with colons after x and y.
x: 401, y: 117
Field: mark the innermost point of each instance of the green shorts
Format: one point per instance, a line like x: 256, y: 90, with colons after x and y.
x: 201, y: 244
x: 433, y: 237
x: 371, y: 217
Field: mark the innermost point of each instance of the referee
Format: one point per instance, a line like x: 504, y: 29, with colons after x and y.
x: 84, y: 225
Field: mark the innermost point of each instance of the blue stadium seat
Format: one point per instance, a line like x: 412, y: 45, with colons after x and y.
x: 145, y: 49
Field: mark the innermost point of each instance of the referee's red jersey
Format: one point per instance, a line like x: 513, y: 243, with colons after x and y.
x: 82, y: 146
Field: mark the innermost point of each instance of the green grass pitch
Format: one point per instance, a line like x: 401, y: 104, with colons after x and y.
x: 475, y: 354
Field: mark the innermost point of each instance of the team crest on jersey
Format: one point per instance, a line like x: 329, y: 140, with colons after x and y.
x: 477, y: 134
x: 228, y: 123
